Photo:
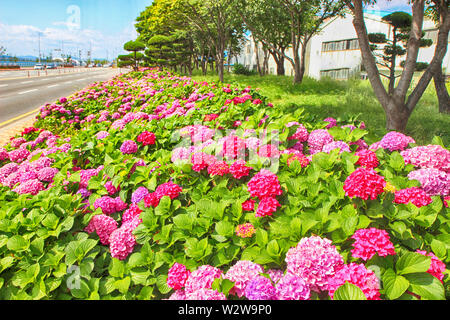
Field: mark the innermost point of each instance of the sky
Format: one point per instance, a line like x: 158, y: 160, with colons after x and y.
x: 102, y: 26
x: 68, y: 25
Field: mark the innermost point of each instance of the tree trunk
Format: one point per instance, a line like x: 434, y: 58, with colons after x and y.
x: 266, y: 62
x: 258, y: 64
x: 220, y: 65
x: 393, y: 61
x: 441, y: 91
x: 279, y: 60
x: 397, y: 115
x: 297, y: 65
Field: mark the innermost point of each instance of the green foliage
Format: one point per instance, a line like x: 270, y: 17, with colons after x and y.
x: 241, y: 69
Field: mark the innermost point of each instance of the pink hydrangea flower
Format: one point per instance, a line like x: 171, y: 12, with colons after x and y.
x: 260, y: 288
x: 292, y: 287
x: 177, y: 276
x: 201, y: 160
x: 264, y: 184
x: 430, y: 156
x: 415, y: 195
x: 364, y: 183
x: 33, y: 187
x: 109, y: 205
x: 304, y: 161
x: 202, y: 277
x: 178, y: 295
x: 301, y: 134
x: 395, y: 141
x: 103, y: 225
x: 268, y: 151
x: 371, y: 241
x: 267, y: 206
x: 128, y: 147
x: 241, y: 273
x: 332, y: 122
x: 341, y: 145
x: 437, y: 267
x: 47, y: 174
x: 122, y: 242
x: 139, y: 194
x: 433, y: 181
x: 315, y: 260
x: 248, y: 205
x: 131, y: 213
x: 233, y: 147
x: 239, y: 169
x: 358, y: 275
x: 18, y: 155
x: 205, y: 294
x: 317, y: 139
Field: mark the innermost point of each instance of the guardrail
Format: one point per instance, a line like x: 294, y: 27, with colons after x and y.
x: 29, y: 72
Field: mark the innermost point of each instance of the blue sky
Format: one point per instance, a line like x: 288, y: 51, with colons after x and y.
x: 72, y: 25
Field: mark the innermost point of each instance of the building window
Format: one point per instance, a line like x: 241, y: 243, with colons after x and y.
x: 338, y: 74
x: 341, y: 45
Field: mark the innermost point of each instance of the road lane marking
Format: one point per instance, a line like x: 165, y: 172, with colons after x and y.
x: 26, y: 82
x: 81, y: 79
x: 53, y: 85
x: 28, y: 91
x: 19, y: 117
x: 68, y: 82
x: 3, y: 85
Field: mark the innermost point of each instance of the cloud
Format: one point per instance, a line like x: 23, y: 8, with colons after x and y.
x: 391, y: 5
x: 24, y: 39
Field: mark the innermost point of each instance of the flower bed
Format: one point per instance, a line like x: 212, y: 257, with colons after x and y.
x: 154, y: 186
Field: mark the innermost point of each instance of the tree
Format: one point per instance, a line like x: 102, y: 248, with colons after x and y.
x: 268, y: 22
x: 2, y: 50
x: 398, y: 105
x: 135, y: 56
x: 395, y: 48
x: 436, y: 11
x: 217, y: 21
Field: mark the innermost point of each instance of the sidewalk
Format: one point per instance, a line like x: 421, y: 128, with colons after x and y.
x: 14, y: 128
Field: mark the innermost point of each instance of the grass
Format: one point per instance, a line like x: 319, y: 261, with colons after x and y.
x: 344, y: 100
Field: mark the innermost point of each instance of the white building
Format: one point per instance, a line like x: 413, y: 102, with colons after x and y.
x: 334, y: 52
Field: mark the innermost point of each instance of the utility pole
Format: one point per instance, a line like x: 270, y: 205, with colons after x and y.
x: 39, y: 40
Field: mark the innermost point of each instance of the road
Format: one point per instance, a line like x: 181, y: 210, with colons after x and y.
x: 22, y: 95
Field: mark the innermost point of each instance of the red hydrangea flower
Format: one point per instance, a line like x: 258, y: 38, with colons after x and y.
x: 304, y: 161
x: 233, y: 146
x: 267, y: 206
x: 367, y: 158
x: 169, y: 189
x: 239, y: 169
x: 364, y: 183
x: 177, y: 276
x: 269, y: 151
x: 146, y: 138
x: 132, y: 212
x: 415, y: 195
x: 201, y: 160
x: 248, y: 205
x: 103, y: 225
x: 264, y: 184
x: 369, y: 242
x: 151, y: 200
x: 219, y: 168
x: 211, y: 117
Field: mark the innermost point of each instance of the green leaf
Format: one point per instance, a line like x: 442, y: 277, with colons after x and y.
x: 116, y: 268
x: 224, y: 228
x: 349, y: 291
x: 394, y: 285
x: 122, y: 285
x: 163, y: 206
x: 183, y: 221
x: 426, y: 286
x: 412, y: 262
x: 17, y: 243
x: 161, y: 283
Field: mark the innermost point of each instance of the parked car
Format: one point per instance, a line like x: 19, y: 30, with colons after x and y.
x: 39, y: 66
x: 51, y: 66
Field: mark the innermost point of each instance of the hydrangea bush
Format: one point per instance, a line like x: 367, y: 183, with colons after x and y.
x: 155, y: 186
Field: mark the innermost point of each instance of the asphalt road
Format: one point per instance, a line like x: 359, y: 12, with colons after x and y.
x: 21, y: 95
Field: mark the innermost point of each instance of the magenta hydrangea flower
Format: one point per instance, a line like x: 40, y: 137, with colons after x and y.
x: 128, y: 147
x: 269, y: 151
x: 47, y: 174
x: 103, y: 225
x: 146, y: 138
x: 233, y: 147
x: 139, y: 194
x: 315, y: 260
x: 367, y: 158
x: 267, y: 206
x: 178, y: 295
x: 264, y: 184
x: 110, y: 205
x: 371, y: 241
x: 239, y: 169
x: 241, y: 273
x: 260, y: 288
x: 358, y: 275
x: 275, y: 275
x: 131, y: 213
x: 177, y: 276
x: 332, y: 122
x: 202, y: 277
x: 437, y: 267
x: 102, y: 135
x: 433, y: 181
x: 301, y: 134
x: 395, y: 141
x: 430, y: 156
x: 3, y: 154
x: 364, y: 183
x: 201, y: 160
x: 415, y: 195
x: 33, y: 187
x: 292, y: 287
x: 19, y: 155
x: 169, y: 189
x: 218, y: 168
x: 110, y: 188
x: 180, y: 153
x: 248, y: 205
